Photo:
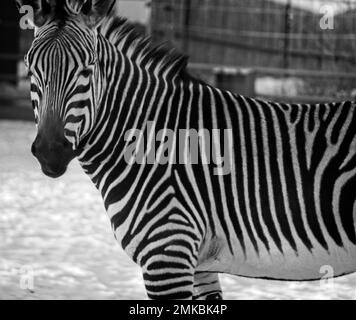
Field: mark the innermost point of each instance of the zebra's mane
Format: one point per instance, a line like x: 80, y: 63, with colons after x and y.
x: 140, y: 48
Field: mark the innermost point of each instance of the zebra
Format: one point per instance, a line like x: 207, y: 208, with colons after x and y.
x: 285, y: 209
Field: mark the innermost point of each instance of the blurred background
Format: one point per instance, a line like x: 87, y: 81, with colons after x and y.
x: 55, y: 238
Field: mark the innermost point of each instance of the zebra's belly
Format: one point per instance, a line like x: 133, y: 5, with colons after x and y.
x: 302, y: 266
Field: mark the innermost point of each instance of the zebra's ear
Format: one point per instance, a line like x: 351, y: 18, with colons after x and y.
x: 37, y: 11
x: 95, y: 11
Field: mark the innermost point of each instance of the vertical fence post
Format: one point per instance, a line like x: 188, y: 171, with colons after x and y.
x: 149, y: 28
x: 171, y: 10
x: 321, y: 56
x: 186, y: 25
x: 287, y: 26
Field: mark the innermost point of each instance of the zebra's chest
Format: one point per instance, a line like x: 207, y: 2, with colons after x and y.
x: 156, y: 226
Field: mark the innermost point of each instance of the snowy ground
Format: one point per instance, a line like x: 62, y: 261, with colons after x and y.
x: 55, y: 235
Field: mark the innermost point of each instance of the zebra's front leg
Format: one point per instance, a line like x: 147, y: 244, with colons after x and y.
x: 168, y: 271
x: 207, y: 286
x: 168, y: 280
x: 172, y: 284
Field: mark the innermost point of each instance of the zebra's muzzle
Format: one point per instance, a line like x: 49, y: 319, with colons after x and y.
x: 53, y: 174
x: 54, y: 157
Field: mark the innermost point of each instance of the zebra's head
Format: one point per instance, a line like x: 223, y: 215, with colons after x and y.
x: 65, y: 76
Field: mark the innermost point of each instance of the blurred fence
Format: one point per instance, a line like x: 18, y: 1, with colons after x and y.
x: 15, y: 100
x: 260, y: 32
x: 14, y: 87
x: 285, y: 45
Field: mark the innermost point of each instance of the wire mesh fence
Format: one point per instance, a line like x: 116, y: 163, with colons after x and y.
x: 260, y: 32
x: 289, y: 35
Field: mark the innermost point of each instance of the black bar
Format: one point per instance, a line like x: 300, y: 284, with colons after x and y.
x: 287, y: 25
x: 186, y: 25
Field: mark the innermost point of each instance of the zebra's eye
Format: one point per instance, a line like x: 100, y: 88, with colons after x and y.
x: 87, y: 72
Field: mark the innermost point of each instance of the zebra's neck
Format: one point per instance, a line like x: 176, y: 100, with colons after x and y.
x: 135, y: 94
